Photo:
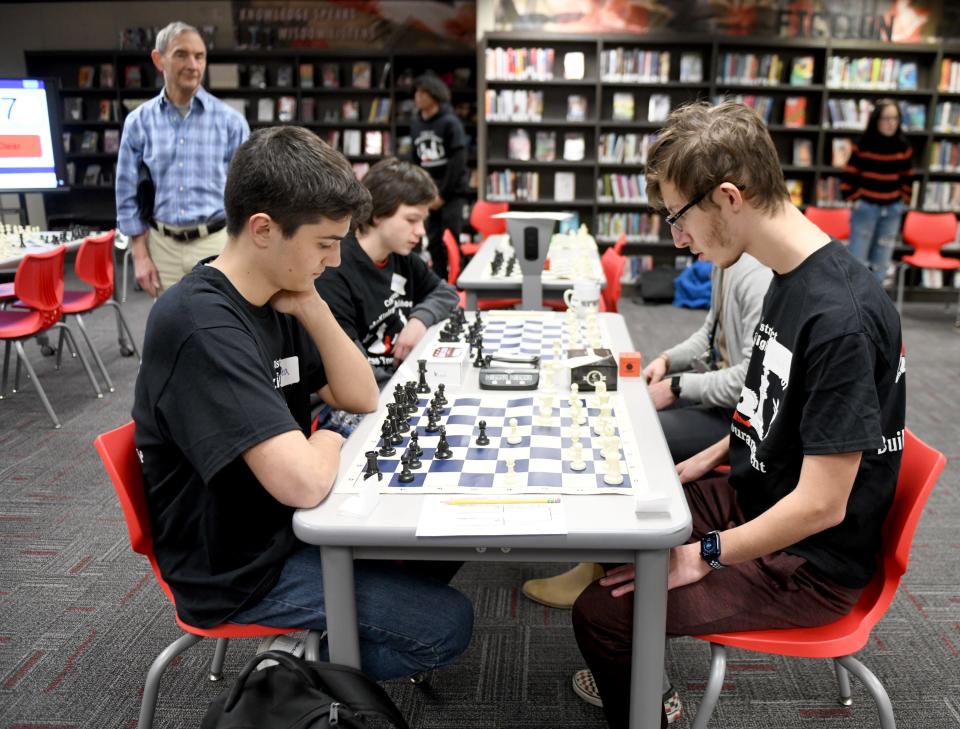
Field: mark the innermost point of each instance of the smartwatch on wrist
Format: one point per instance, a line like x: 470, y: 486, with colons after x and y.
x: 675, y: 386
x: 710, y: 550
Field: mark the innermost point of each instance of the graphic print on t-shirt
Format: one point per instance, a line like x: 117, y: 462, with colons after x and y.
x: 430, y: 149
x: 383, y: 330
x: 760, y: 402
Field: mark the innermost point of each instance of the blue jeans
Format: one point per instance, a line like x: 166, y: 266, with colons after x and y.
x: 873, y: 233
x: 409, y: 619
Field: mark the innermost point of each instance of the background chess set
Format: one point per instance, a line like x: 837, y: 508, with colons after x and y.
x: 14, y: 239
x: 573, y: 256
x: 541, y: 460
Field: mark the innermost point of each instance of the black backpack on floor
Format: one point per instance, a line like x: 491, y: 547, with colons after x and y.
x: 297, y: 694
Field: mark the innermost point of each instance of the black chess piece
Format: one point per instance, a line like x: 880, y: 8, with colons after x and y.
x: 415, y: 450
x: 443, y: 448
x: 433, y: 422
x: 478, y: 360
x: 422, y: 386
x: 386, y: 442
x: 439, y: 396
x: 412, y: 399
x: 372, y: 468
x: 482, y: 438
x: 406, y: 475
x: 414, y: 462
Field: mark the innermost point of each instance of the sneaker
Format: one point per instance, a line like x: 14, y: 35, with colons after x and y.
x: 586, y: 688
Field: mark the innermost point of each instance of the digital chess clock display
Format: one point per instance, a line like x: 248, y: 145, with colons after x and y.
x: 510, y: 378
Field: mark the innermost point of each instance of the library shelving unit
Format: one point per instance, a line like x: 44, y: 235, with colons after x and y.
x: 814, y: 95
x: 358, y: 100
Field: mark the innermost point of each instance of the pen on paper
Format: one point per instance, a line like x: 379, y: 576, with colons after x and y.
x: 550, y: 500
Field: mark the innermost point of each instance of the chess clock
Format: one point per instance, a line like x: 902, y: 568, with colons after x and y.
x: 510, y: 373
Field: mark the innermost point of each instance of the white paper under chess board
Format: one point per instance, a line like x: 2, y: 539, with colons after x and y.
x: 541, y: 459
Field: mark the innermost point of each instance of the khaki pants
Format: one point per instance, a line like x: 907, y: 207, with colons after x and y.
x: 175, y: 259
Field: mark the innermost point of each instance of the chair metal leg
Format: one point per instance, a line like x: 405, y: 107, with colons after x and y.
x: 149, y: 704
x: 71, y: 342
x: 56, y: 364
x: 127, y: 255
x: 874, y: 687
x: 843, y: 681
x: 219, y: 655
x: 901, y: 273
x: 21, y: 355
x: 718, y: 669
x: 311, y: 650
x: 6, y: 368
x: 93, y: 351
x: 16, y: 371
x: 122, y: 322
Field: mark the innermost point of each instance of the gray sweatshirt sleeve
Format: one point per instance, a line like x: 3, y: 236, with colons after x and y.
x: 437, y: 305
x: 682, y: 355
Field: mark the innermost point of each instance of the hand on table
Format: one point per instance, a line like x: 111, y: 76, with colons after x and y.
x: 407, y: 339
x: 656, y: 370
x: 661, y: 394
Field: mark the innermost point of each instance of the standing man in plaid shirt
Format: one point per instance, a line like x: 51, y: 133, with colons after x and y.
x: 185, y: 138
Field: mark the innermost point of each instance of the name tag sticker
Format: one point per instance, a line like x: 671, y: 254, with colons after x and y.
x: 286, y: 371
x: 399, y: 283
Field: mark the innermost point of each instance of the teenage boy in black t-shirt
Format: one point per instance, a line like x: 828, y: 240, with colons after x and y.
x: 384, y: 297
x: 791, y: 537
x: 231, y: 353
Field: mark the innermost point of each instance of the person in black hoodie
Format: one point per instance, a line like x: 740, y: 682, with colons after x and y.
x: 439, y: 145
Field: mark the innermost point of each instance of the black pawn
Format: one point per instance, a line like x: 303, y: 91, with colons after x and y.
x: 443, y: 448
x: 433, y: 422
x: 415, y: 449
x: 412, y: 460
x: 406, y: 475
x: 372, y: 467
x: 440, y: 397
x: 482, y: 438
x: 386, y: 446
x: 478, y: 361
x: 422, y: 386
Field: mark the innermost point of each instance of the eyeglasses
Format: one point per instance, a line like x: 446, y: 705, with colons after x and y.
x: 674, y: 220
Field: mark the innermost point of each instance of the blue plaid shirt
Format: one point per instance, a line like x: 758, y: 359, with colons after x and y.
x: 187, y: 156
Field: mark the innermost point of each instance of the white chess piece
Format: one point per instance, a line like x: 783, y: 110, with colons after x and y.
x: 545, y: 412
x: 514, y: 437
x: 511, y: 478
x: 613, y: 476
x: 577, y: 463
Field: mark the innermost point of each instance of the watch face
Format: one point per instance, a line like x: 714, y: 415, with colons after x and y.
x: 710, y: 546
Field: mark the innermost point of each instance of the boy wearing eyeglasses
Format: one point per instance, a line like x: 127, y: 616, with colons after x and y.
x: 790, y: 537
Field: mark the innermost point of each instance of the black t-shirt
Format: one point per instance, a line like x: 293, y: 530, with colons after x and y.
x: 374, y: 303
x: 434, y: 141
x: 214, y: 383
x: 826, y: 376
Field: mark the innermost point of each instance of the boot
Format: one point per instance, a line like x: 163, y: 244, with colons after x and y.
x: 562, y: 590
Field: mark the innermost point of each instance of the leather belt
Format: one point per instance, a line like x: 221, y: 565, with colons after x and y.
x: 188, y: 234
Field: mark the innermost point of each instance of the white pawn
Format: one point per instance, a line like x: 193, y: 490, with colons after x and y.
x: 514, y: 437
x: 613, y: 476
x: 577, y: 464
x: 511, y: 478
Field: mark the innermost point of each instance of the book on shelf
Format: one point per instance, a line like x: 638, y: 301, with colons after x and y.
x: 67, y: 142
x: 949, y: 75
x: 361, y: 76
x: 238, y: 105
x: 223, y: 75
x: 907, y: 78
x: 285, y: 75
x: 795, y: 111
x: 913, y: 117
x: 623, y: 106
x: 111, y: 141
x: 576, y: 107
x: 404, y: 146
x: 545, y: 149
x: 360, y: 169
x: 659, y: 107
x: 795, y: 189
x: 71, y: 173
x: 257, y: 76
x: 91, y: 175
x: 286, y: 108
x: 265, y: 110
x: 131, y: 104
x: 691, y: 68
x: 85, y: 77
x: 73, y: 108
x: 105, y: 110
x: 132, y: 76
x: 108, y: 78
x: 564, y: 186
x: 801, y: 71
x: 840, y: 149
x: 330, y: 75
x: 574, y: 146
x: 518, y: 145
x: 373, y: 143
x: 308, y: 109
x: 384, y: 76
x: 306, y: 75
x: 574, y: 64
x: 803, y: 152
x: 351, y: 142
x: 89, y: 141
x: 350, y: 110
x: 379, y: 110
x: 332, y: 137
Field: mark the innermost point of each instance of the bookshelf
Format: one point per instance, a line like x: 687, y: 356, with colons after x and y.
x: 359, y: 100
x: 802, y: 88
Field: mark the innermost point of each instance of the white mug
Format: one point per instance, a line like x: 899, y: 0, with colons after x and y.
x: 584, y: 295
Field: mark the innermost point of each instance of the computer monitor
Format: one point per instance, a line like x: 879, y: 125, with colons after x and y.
x: 31, y: 143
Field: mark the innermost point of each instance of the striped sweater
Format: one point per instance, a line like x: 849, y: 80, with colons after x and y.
x: 880, y: 171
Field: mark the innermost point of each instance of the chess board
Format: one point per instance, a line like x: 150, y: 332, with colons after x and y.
x: 570, y: 259
x: 541, y: 459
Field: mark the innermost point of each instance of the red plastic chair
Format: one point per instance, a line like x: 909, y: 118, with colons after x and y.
x: 927, y: 233
x: 454, y: 262
x: 482, y: 221
x: 835, y: 222
x: 613, y: 264
x: 919, y: 470
x: 620, y: 244
x: 94, y: 266
x: 38, y: 288
x: 119, y: 455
